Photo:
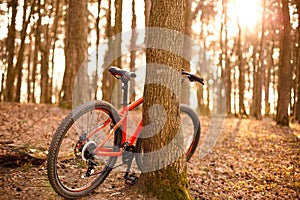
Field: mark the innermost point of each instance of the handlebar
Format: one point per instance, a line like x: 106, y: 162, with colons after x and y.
x: 193, y: 77
x: 121, y: 73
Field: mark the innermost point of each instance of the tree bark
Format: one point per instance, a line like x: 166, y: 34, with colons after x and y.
x: 187, y: 51
x: 170, y: 181
x: 75, y: 46
x: 54, y: 32
x: 262, y: 58
x: 108, y: 80
x: 226, y: 70
x: 255, y: 108
x: 10, y: 47
x: 43, y: 48
x: 284, y: 84
x: 241, y: 80
x: 29, y: 68
x: 35, y: 59
x: 297, y: 112
x: 116, y: 100
x: 95, y: 77
x: 19, y: 65
x: 133, y: 52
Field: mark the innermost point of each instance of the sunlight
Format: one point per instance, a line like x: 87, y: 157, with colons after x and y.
x: 247, y: 11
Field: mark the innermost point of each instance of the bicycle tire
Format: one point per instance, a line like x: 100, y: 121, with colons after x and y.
x: 190, y: 147
x: 60, y: 161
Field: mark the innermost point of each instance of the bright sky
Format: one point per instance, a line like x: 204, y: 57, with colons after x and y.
x: 248, y: 13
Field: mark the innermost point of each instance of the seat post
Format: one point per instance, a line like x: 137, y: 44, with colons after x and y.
x: 125, y: 91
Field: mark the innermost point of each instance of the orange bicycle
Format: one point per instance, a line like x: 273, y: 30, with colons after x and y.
x: 88, y: 142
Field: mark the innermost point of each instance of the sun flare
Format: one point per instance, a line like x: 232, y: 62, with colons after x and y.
x: 247, y: 12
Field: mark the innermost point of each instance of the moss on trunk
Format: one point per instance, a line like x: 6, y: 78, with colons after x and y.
x: 165, y: 183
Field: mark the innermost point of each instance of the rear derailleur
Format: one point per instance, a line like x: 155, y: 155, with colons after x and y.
x: 88, y: 156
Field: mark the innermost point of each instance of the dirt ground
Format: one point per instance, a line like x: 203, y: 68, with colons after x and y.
x: 252, y: 159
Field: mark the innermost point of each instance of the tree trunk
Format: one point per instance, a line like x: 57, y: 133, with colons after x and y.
x: 169, y: 180
x: 262, y: 57
x: 133, y: 52
x: 57, y: 16
x: 43, y: 48
x: 19, y: 65
x: 284, y: 84
x: 108, y: 80
x: 297, y: 112
x: 10, y: 48
x: 187, y: 51
x: 255, y: 108
x: 95, y: 77
x: 224, y: 58
x: 29, y: 68
x: 35, y: 61
x: 116, y: 100
x: 241, y: 80
x: 75, y: 46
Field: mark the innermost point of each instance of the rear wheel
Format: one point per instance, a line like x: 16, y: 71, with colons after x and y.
x: 73, y: 168
x: 191, y: 129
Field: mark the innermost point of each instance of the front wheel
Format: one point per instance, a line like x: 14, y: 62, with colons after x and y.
x: 191, y: 129
x: 73, y: 168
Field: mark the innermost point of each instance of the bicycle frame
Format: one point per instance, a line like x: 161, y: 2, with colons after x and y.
x: 104, y: 151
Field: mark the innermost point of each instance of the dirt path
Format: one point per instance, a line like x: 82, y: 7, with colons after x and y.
x: 252, y: 159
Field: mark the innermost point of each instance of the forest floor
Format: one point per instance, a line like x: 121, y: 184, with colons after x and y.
x: 251, y: 160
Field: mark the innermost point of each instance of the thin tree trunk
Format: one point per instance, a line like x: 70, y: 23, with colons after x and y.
x: 116, y: 100
x: 29, y: 68
x: 284, y: 84
x: 187, y: 51
x: 19, y: 65
x: 226, y: 70
x: 108, y: 81
x: 267, y: 86
x: 241, y: 80
x: 133, y: 52
x: 297, y: 111
x: 202, y: 108
x: 256, y: 81
x: 10, y: 47
x: 2, y: 85
x: 46, y: 90
x: 95, y: 81
x: 54, y: 28
x: 262, y: 56
x: 35, y: 63
x: 34, y: 67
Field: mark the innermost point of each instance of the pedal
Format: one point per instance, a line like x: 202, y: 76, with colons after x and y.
x: 130, y: 179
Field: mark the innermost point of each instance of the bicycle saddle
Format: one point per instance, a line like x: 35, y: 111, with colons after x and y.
x: 121, y: 73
